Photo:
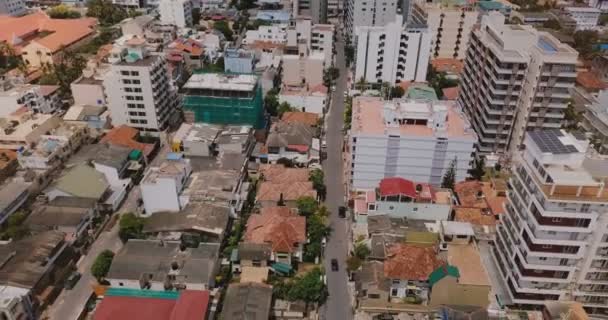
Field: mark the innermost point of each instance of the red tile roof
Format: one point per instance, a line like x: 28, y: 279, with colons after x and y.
x: 191, y: 305
x: 590, y: 81
x: 410, y: 262
x: 190, y: 46
x: 279, y: 226
x: 397, y: 186
x: 450, y: 93
x: 308, y: 118
x: 125, y: 136
x: 447, y: 65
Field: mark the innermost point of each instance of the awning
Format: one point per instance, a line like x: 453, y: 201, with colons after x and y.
x: 283, y: 268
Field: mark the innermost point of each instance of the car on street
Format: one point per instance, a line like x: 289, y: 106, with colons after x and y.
x: 71, y: 281
x: 334, y: 265
x: 342, y: 212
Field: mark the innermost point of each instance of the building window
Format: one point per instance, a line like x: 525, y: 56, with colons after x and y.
x: 126, y: 81
x: 137, y: 89
x: 139, y: 98
x: 136, y: 82
x: 129, y: 98
x: 128, y: 90
x: 141, y: 114
x: 124, y: 73
x: 132, y: 113
x: 134, y: 73
x: 140, y: 106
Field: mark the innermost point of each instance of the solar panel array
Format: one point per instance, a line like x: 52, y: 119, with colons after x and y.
x: 548, y: 141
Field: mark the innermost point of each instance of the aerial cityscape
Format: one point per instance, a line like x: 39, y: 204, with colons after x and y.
x: 303, y: 159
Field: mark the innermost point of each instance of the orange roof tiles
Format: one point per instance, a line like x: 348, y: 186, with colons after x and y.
x: 190, y: 46
x: 308, y: 118
x: 40, y: 28
x: 450, y: 93
x: 590, y: 81
x: 125, y: 136
x: 279, y: 226
x: 280, y: 173
x: 474, y: 216
x: 447, y: 65
x: 291, y: 190
x: 410, y: 262
x: 475, y: 194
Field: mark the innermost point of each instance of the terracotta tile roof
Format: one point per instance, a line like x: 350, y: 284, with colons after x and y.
x: 278, y: 226
x: 447, y: 65
x: 190, y: 46
x: 410, y: 262
x: 468, y: 194
x: 405, y: 85
x: 307, y: 118
x: 397, y: 186
x: 125, y: 136
x: 59, y: 32
x: 474, y: 216
x: 271, y: 191
x: 450, y: 93
x: 590, y: 81
x: 279, y: 173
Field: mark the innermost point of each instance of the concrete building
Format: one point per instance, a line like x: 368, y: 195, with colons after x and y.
x: 13, y: 7
x: 24, y: 129
x: 238, y: 61
x: 35, y: 98
x: 527, y: 89
x: 551, y: 242
x: 361, y: 13
x: 413, y: 139
x: 162, y: 186
x: 595, y: 121
x: 224, y: 99
x: 392, y: 53
x: 599, y: 4
x: 450, y: 24
x: 88, y: 90
x: 276, y: 33
x: 322, y: 39
x: 12, y: 196
x: 138, y: 90
x: 586, y: 18
x: 307, y: 100
x: 176, y: 12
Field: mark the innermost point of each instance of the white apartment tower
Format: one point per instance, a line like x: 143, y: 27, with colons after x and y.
x: 552, y: 241
x: 176, y: 12
x: 137, y: 87
x: 515, y: 79
x: 450, y: 24
x: 12, y: 7
x: 392, y: 53
x: 368, y: 13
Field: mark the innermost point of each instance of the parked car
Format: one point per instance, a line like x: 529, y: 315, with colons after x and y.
x: 71, y: 281
x: 334, y: 265
x: 342, y: 212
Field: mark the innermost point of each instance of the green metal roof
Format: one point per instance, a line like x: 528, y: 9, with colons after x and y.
x: 421, y: 237
x: 234, y: 255
x: 443, y: 272
x: 126, y: 292
x: 421, y: 93
x: 83, y: 181
x: 135, y: 154
x: 282, y: 267
x: 490, y: 5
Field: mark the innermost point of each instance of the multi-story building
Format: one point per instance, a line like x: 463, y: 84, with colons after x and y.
x: 176, y: 12
x: 12, y: 7
x: 595, y: 121
x: 586, y: 18
x: 363, y: 13
x: 35, y: 98
x: 162, y: 186
x: 600, y: 4
x: 414, y: 139
x: 24, y: 129
x: 392, y: 53
x: 515, y: 79
x: 322, y: 39
x: 238, y: 61
x: 138, y: 90
x: 276, y: 33
x: 450, y: 24
x: 552, y: 241
x: 224, y: 99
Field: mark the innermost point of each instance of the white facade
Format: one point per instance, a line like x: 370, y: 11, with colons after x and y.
x: 586, y: 18
x: 451, y: 27
x: 30, y: 96
x: 364, y: 13
x: 392, y: 53
x: 306, y: 101
x: 322, y: 39
x: 161, y: 187
x: 12, y: 7
x: 176, y: 12
x: 527, y: 87
x: 210, y: 4
x: 138, y: 90
x: 303, y: 69
x: 276, y: 33
x: 552, y: 241
x: 599, y: 4
x: 411, y: 139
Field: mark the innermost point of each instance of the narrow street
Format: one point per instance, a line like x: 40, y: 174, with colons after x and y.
x: 338, y: 305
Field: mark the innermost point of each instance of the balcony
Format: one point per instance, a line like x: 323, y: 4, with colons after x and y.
x: 559, y: 221
x: 540, y: 273
x: 547, y: 248
x: 529, y: 296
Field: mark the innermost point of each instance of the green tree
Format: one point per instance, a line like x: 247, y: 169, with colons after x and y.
x: 223, y: 27
x: 216, y: 67
x: 63, y: 11
x: 284, y: 107
x: 132, y: 13
x: 317, y: 178
x: 349, y: 54
x: 130, y: 227
x: 397, y: 92
x: 348, y: 112
x: 449, y: 178
x: 552, y: 24
x: 307, y: 206
x: 361, y: 250
x: 271, y: 102
x: 439, y: 81
x: 309, y: 288
x: 478, y: 170
x: 585, y: 42
x: 102, y: 264
x: 106, y: 12
x: 63, y: 72
x: 15, y: 228
x: 317, y: 229
x: 353, y: 263
x: 571, y: 117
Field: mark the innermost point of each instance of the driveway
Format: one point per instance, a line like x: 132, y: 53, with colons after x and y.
x: 338, y: 305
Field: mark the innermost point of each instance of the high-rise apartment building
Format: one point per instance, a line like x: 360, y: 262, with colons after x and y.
x: 450, y: 23
x: 137, y: 87
x: 515, y: 79
x: 392, y: 53
x: 368, y: 13
x: 176, y: 12
x: 552, y: 241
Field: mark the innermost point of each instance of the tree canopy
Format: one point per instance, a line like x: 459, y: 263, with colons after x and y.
x: 309, y: 288
x: 317, y: 229
x: 317, y: 178
x: 585, y: 42
x: 106, y: 12
x: 15, y: 228
x: 478, y: 170
x: 223, y: 27
x: 284, y: 107
x: 102, y: 264
x: 449, y: 178
x: 307, y: 206
x: 63, y: 72
x: 63, y: 11
x: 271, y: 102
x: 130, y: 227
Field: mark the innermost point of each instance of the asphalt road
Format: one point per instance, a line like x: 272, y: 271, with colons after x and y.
x: 338, y: 306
